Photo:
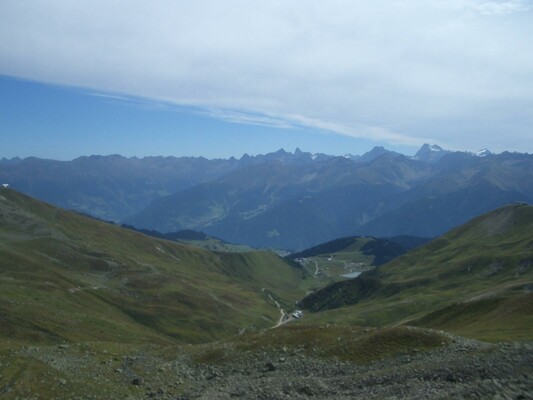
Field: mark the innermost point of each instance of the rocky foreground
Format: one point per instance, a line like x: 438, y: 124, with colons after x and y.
x: 463, y: 368
x: 472, y: 372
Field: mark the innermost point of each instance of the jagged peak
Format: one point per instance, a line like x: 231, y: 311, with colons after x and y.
x: 430, y: 153
x: 371, y: 155
x: 430, y: 147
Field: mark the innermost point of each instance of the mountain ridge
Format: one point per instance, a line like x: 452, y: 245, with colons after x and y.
x: 281, y: 200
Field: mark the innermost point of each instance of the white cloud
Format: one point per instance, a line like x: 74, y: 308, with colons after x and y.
x: 404, y: 72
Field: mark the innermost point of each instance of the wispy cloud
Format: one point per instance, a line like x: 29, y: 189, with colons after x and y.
x: 354, y: 130
x: 301, y: 122
x: 240, y: 117
x: 491, y: 7
x: 113, y: 97
x: 402, y: 72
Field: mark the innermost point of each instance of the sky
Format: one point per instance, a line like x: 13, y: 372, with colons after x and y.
x: 219, y: 79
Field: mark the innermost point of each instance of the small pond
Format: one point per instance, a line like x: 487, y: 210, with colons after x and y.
x: 351, y: 275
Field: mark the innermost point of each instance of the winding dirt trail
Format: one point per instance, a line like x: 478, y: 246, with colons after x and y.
x: 284, y: 317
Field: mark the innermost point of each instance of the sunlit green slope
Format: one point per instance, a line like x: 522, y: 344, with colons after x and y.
x: 67, y: 277
x: 476, y: 280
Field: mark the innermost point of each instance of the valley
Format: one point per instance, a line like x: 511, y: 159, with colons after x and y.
x: 93, y: 310
x: 346, y: 258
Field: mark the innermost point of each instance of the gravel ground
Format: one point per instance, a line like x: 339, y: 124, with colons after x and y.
x: 465, y: 369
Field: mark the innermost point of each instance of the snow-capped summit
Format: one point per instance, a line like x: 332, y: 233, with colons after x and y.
x: 430, y: 153
x: 435, y: 147
x: 483, y: 153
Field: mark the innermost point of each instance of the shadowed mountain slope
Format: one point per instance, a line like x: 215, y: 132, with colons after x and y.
x: 298, y: 206
x: 109, y: 187
x: 284, y: 206
x: 114, y: 187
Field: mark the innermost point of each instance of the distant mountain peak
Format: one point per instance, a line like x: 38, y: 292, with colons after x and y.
x: 430, y: 153
x: 430, y: 147
x: 298, y: 151
x: 14, y: 160
x: 376, y: 152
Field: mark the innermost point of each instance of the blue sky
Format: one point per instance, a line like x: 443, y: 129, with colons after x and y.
x: 58, y: 122
x: 223, y: 78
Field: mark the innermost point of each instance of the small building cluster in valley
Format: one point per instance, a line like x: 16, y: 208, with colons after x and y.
x: 298, y: 314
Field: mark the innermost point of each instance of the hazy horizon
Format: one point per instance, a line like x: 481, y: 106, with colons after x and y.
x: 291, y: 151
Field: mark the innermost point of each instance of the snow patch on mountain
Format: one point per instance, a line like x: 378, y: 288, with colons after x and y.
x: 483, y: 153
x: 435, y: 147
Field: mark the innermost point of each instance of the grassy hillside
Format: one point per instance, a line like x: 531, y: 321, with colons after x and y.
x: 475, y: 280
x: 67, y: 277
x: 194, y: 238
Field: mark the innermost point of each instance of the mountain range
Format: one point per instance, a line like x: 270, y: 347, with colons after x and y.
x: 300, y: 205
x: 283, y: 200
